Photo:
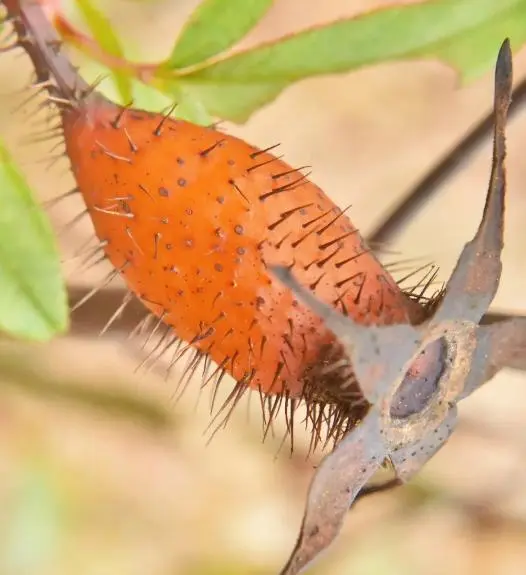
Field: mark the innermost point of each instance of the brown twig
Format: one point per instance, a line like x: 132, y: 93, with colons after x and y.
x: 43, y: 48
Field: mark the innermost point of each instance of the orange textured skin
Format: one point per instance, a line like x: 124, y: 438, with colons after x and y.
x: 186, y: 217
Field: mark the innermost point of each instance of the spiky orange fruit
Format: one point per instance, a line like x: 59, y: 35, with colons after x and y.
x: 192, y: 217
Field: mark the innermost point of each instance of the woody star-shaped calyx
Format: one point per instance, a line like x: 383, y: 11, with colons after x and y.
x: 413, y: 412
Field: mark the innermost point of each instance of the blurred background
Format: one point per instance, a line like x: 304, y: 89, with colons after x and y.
x: 104, y: 472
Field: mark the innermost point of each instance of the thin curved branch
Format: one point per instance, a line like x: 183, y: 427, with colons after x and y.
x: 456, y: 159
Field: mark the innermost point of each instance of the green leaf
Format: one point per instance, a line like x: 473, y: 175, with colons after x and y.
x: 156, y: 98
x: 102, y: 32
x: 33, y: 302
x: 230, y: 101
x: 213, y: 27
x: 464, y: 33
x: 148, y: 96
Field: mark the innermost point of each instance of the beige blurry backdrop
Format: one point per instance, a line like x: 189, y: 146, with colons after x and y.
x: 103, y: 473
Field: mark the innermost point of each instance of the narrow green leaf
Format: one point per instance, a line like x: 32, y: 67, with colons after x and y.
x: 103, y: 33
x: 213, y: 27
x: 33, y: 300
x: 429, y: 29
x: 464, y: 33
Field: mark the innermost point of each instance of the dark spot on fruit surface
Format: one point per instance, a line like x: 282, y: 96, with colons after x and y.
x: 180, y: 161
x: 218, y: 267
x: 163, y: 192
x: 181, y: 182
x: 239, y: 230
x: 241, y: 250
